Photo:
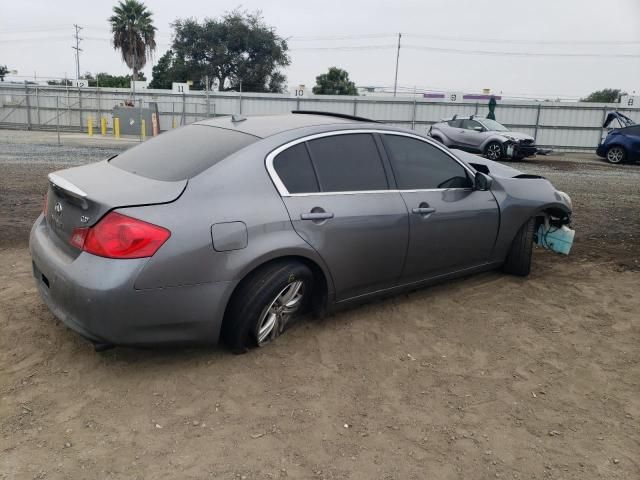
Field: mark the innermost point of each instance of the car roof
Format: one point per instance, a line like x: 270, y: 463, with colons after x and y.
x: 267, y: 125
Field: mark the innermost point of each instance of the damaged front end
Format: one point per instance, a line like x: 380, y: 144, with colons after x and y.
x: 554, y: 234
x: 515, y: 190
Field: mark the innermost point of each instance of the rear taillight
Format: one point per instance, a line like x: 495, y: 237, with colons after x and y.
x: 120, y: 236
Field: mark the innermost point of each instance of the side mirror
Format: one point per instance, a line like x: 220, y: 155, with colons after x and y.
x: 478, y: 129
x: 482, y: 182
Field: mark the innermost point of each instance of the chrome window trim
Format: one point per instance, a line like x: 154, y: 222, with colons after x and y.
x: 282, y: 190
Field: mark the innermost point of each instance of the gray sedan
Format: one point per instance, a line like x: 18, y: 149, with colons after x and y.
x: 483, y: 135
x: 231, y: 228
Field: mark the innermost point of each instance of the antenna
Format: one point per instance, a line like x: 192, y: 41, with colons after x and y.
x: 77, y: 49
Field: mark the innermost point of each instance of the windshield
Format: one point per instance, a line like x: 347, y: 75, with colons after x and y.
x: 492, y: 125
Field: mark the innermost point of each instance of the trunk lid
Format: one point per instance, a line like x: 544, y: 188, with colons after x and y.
x: 81, y: 196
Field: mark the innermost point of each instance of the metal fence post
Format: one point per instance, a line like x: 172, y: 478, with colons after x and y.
x: 57, y: 120
x: 37, y: 106
x: 535, y: 132
x: 99, y: 104
x: 240, y: 104
x: 413, y: 116
x: 182, y: 120
x: 355, y: 106
x: 604, y: 118
x: 208, y: 105
x: 476, y: 112
x: 80, y: 109
x: 140, y: 124
x: 26, y: 93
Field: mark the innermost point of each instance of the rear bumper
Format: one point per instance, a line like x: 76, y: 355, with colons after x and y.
x: 95, y: 297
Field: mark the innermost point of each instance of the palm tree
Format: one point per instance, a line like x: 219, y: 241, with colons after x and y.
x: 133, y: 33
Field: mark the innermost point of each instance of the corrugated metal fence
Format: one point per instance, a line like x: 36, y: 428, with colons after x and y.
x: 559, y: 125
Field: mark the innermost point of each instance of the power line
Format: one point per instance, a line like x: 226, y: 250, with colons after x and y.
x: 522, y: 54
x: 77, y: 49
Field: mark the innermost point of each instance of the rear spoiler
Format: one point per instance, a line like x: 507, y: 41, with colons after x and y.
x: 65, y: 185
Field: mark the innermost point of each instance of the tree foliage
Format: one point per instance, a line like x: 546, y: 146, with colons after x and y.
x: 65, y: 82
x: 237, y: 51
x: 335, y: 82
x: 3, y: 71
x: 133, y: 33
x: 171, y: 68
x: 101, y: 79
x: 607, y: 95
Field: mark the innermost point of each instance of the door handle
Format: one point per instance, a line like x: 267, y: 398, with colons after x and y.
x: 423, y: 210
x: 315, y: 216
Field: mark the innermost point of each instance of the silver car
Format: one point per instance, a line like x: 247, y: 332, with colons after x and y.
x: 485, y: 136
x: 230, y: 228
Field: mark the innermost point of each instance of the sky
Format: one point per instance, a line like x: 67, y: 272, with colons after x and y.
x: 519, y: 48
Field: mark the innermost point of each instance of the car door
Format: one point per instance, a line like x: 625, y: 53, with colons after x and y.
x: 452, y: 226
x: 632, y: 135
x: 454, y: 131
x: 336, y: 190
x: 470, y: 137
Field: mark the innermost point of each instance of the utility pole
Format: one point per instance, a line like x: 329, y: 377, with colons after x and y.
x: 77, y: 49
x: 395, y: 84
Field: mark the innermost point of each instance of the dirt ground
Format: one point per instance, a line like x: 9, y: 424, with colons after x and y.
x: 486, y: 377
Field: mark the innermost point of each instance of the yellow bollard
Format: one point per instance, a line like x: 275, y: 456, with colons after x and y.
x: 103, y: 125
x: 143, y: 129
x: 116, y: 127
x: 174, y: 124
x: 90, y: 126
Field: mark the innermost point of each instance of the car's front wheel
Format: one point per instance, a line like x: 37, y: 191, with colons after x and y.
x: 494, y: 151
x: 518, y: 260
x: 266, y: 303
x: 616, y: 154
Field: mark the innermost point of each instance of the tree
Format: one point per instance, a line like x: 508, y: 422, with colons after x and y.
x: 236, y: 51
x: 607, y: 95
x: 3, y: 71
x: 107, y: 80
x: 334, y: 82
x: 65, y: 82
x: 170, y: 68
x: 133, y: 34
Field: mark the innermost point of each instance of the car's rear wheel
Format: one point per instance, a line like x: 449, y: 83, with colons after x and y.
x: 266, y: 303
x: 519, y: 257
x: 494, y: 151
x: 616, y: 154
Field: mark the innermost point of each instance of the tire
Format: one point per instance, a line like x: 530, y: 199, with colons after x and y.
x: 259, y: 311
x: 438, y: 139
x: 494, y: 151
x: 616, y: 154
x: 518, y: 260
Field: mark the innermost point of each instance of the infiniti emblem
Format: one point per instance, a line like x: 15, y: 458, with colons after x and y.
x: 58, y: 207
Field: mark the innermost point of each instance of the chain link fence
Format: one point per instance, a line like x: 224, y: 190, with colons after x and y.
x: 559, y: 125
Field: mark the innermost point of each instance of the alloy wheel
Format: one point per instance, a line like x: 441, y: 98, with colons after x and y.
x: 494, y: 151
x: 615, y: 155
x: 278, y: 312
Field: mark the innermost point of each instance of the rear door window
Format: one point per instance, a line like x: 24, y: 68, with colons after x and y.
x: 418, y: 165
x: 455, y: 123
x: 182, y: 153
x: 470, y: 124
x: 295, y: 170
x: 346, y: 163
